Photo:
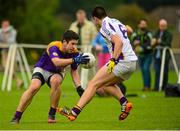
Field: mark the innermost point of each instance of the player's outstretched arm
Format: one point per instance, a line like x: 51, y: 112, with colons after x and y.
x: 61, y: 62
x: 77, y: 81
x: 80, y: 59
x: 116, y: 53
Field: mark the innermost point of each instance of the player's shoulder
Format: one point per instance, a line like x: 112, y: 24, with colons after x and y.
x: 105, y: 29
x: 107, y: 23
x: 57, y: 44
x: 110, y: 20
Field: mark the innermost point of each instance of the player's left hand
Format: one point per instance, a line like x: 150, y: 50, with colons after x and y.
x: 80, y: 90
x: 81, y: 59
x: 111, y: 64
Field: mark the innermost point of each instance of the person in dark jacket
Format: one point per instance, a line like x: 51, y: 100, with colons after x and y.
x: 141, y: 40
x: 162, y: 38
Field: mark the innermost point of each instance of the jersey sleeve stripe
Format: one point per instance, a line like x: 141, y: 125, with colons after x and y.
x: 112, y: 27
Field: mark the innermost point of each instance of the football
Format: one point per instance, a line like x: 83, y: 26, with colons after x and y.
x: 91, y: 62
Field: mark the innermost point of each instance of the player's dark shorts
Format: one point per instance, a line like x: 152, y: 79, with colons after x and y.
x: 44, y: 76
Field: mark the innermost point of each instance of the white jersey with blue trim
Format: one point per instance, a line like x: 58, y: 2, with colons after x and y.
x: 115, y: 27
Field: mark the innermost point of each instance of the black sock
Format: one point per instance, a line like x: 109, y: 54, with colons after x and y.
x: 52, y: 111
x: 17, y: 115
x: 76, y: 110
x: 123, y: 100
x: 80, y: 90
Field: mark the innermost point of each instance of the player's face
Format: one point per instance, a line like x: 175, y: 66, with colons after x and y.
x: 96, y: 21
x: 71, y: 46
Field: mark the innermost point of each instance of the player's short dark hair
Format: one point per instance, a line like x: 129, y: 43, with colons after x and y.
x: 70, y: 35
x: 99, y: 12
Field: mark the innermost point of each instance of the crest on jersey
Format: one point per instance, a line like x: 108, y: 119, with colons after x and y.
x: 55, y: 54
x: 107, y: 32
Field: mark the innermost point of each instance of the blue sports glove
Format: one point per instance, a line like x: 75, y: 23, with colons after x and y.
x: 81, y: 59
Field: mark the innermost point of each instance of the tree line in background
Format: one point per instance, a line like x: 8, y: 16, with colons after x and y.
x: 35, y: 20
x: 41, y: 21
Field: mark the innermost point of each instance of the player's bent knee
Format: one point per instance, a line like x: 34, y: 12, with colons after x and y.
x: 55, y: 85
x: 55, y: 82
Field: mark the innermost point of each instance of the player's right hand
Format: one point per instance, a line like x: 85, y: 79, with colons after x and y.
x: 81, y: 59
x: 111, y: 64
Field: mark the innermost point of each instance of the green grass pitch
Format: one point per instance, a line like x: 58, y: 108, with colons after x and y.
x: 152, y: 111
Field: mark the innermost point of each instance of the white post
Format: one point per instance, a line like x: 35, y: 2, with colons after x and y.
x: 179, y: 78
x: 11, y: 71
x: 22, y: 70
x: 4, y: 81
x: 174, y: 61
x: 162, y: 68
x: 84, y: 77
x: 25, y: 62
x: 163, y: 64
x: 85, y: 72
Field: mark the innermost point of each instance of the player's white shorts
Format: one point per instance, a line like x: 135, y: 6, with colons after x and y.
x: 44, y: 75
x: 124, y: 69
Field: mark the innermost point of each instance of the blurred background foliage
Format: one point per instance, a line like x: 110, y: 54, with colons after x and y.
x: 40, y: 24
x: 125, y: 13
x: 41, y: 21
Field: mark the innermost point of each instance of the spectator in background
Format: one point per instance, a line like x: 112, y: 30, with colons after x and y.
x: 100, y: 46
x: 141, y: 40
x: 8, y: 36
x: 162, y: 38
x: 87, y: 32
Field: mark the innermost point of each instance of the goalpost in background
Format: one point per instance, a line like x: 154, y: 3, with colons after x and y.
x: 164, y: 52
x: 16, y: 54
